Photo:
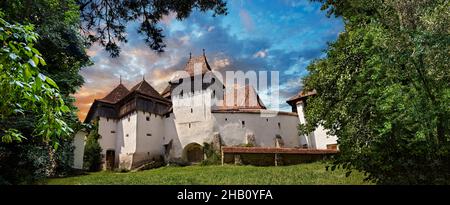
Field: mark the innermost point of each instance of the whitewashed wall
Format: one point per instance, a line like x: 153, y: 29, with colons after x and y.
x: 128, y: 125
x: 149, y: 147
x: 193, y: 119
x: 265, y: 129
x: 78, y: 154
x: 107, y: 139
x: 171, y: 133
x: 319, y: 139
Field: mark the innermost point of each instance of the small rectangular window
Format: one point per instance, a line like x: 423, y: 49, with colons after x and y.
x: 128, y: 119
x: 189, y: 125
x: 126, y: 135
x: 147, y: 118
x: 112, y: 131
x: 279, y: 125
x: 243, y: 123
x: 149, y: 134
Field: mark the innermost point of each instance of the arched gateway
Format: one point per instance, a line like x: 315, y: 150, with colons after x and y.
x: 193, y: 153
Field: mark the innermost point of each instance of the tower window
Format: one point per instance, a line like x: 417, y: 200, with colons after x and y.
x: 192, y: 110
x: 112, y: 131
x: 279, y: 125
x: 149, y: 134
x: 147, y: 118
x: 128, y: 119
x: 243, y: 123
x: 126, y: 135
x: 226, y: 119
x: 189, y: 125
x: 267, y: 119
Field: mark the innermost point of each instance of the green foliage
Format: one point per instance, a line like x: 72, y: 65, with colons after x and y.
x: 92, y: 150
x: 384, y: 90
x: 63, y: 48
x: 105, y: 21
x: 24, y: 89
x: 24, y: 163
x: 212, y: 157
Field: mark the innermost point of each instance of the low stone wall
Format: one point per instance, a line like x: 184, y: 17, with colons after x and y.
x: 271, y: 156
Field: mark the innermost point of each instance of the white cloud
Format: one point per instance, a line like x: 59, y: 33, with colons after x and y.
x: 260, y: 54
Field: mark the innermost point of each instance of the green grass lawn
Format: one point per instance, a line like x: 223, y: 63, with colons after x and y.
x: 312, y: 173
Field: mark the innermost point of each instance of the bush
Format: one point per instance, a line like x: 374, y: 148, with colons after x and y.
x: 24, y: 163
x: 212, y: 157
x: 92, y: 151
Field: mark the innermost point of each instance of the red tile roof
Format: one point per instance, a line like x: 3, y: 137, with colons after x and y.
x: 166, y: 92
x: 301, y: 95
x: 144, y: 88
x: 197, y: 60
x: 282, y: 150
x: 250, y: 100
x: 116, y: 94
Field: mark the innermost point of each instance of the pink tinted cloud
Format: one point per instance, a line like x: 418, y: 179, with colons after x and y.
x: 246, y: 20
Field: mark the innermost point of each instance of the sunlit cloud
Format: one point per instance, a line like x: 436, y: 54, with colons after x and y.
x: 256, y: 35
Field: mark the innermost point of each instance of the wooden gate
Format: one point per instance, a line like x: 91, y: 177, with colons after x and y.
x: 194, y: 153
x: 110, y: 158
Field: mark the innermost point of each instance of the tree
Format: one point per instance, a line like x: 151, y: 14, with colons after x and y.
x: 104, y: 21
x: 23, y: 88
x: 384, y: 90
x: 63, y: 48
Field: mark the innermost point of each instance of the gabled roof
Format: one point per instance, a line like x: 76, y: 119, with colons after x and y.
x: 166, y: 92
x: 301, y: 95
x: 201, y: 60
x: 146, y: 89
x: 242, y: 102
x: 116, y: 94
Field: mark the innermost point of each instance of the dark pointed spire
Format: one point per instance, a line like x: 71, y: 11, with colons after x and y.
x: 190, y: 55
x: 143, y: 77
x: 120, y: 79
x: 203, y: 52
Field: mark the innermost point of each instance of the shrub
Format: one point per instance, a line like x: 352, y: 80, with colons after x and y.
x: 92, y: 151
x: 212, y: 157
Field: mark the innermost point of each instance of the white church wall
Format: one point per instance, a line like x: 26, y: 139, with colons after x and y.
x: 171, y: 133
x: 107, y: 129
x: 319, y: 139
x: 194, y: 132
x: 233, y: 132
x: 322, y: 139
x: 193, y: 119
x: 192, y: 107
x: 129, y: 129
x: 79, y: 142
x: 150, y: 133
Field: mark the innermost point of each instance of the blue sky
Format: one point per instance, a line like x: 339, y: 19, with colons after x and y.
x: 272, y: 35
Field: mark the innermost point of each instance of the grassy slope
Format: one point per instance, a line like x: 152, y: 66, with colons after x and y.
x: 313, y: 173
